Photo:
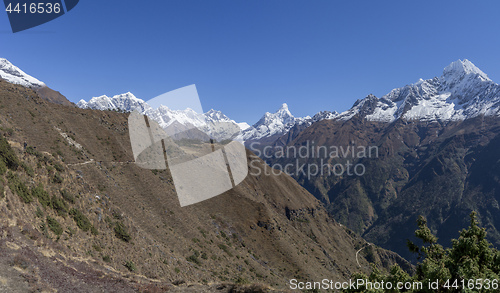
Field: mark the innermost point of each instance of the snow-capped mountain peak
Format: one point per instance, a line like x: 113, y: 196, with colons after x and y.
x: 280, y: 122
x: 125, y: 102
x: 284, y: 111
x: 459, y: 68
x: 13, y: 74
x: 462, y: 91
x: 217, y: 116
x: 284, y: 108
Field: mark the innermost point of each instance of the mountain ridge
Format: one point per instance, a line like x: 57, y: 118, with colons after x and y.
x: 13, y: 74
x: 462, y: 92
x: 270, y: 125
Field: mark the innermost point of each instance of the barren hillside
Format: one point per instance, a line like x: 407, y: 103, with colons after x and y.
x: 79, y: 216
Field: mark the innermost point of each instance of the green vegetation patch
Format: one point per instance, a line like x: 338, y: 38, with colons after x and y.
x: 42, y: 195
x: 3, y: 167
x: 32, y: 151
x: 121, y: 232
x: 28, y: 169
x: 225, y: 249
x: 54, y: 225
x: 130, y: 266
x: 57, y: 178
x: 80, y: 219
x: 194, y: 259
x: 67, y: 196
x: 1, y: 188
x: 7, y: 155
x: 471, y: 257
x: 17, y: 186
x: 59, y: 205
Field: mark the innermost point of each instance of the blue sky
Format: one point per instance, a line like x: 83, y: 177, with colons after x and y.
x: 247, y: 57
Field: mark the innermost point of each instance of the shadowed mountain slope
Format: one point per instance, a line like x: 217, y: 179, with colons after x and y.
x: 442, y: 170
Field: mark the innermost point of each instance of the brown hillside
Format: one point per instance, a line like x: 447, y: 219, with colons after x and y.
x: 267, y: 230
x: 53, y: 96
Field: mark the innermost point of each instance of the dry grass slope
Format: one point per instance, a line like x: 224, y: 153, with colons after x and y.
x: 123, y: 228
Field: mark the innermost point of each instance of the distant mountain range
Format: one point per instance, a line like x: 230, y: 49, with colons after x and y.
x: 271, y: 125
x: 463, y: 91
x: 173, y: 121
x: 437, y: 142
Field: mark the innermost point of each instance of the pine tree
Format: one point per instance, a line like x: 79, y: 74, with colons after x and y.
x: 470, y: 265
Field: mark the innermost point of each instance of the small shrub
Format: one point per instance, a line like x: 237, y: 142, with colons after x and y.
x: 31, y: 150
x: 58, y: 168
x: 28, y: 169
x: 57, y: 178
x: 59, y: 205
x: 194, y: 259
x: 80, y: 219
x: 106, y: 258
x: 67, y: 196
x: 3, y: 167
x: 42, y: 195
x: 94, y: 230
x: 70, y: 231
x: 117, y: 215
x: 225, y: 249
x: 7, y: 155
x: 54, y: 225
x: 121, y: 232
x: 45, y: 231
x: 130, y: 266
x: 19, y: 187
x: 39, y: 212
x: 241, y: 280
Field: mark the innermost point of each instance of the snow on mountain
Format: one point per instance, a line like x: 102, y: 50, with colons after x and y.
x: 213, y: 122
x: 462, y: 91
x: 243, y: 126
x: 13, y: 74
x: 126, y: 102
x: 280, y: 122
